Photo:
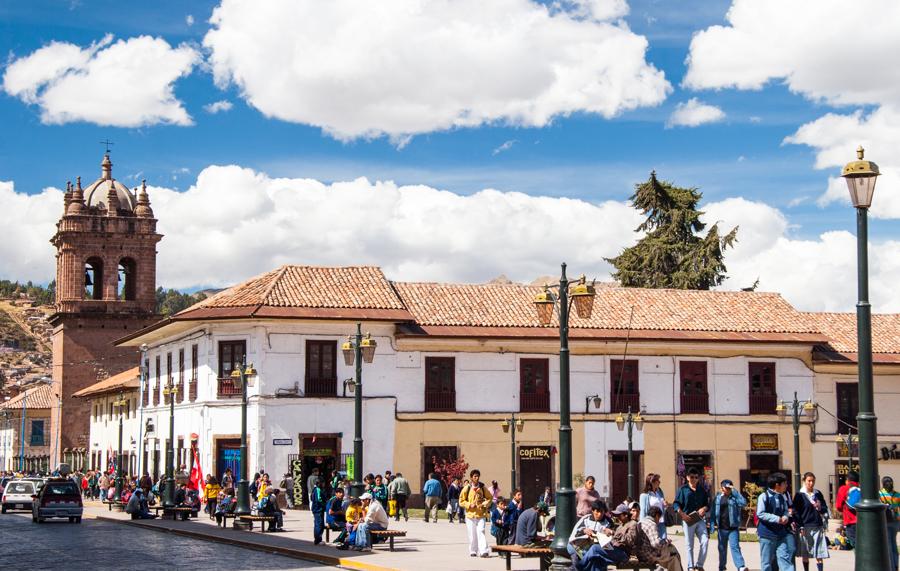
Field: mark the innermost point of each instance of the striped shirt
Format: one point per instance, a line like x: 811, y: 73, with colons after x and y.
x: 892, y: 500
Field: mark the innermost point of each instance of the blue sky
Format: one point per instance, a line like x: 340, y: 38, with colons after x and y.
x: 578, y: 154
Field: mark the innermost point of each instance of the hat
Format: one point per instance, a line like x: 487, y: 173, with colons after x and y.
x: 542, y: 508
x: 727, y: 484
x: 366, y: 496
x: 621, y: 509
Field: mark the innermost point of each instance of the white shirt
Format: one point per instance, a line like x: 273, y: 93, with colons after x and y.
x: 376, y: 514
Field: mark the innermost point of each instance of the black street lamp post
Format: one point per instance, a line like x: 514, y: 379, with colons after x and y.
x: 630, y: 421
x: 512, y: 425
x: 120, y: 405
x: 797, y: 408
x: 243, y: 374
x: 582, y: 295
x: 872, y: 539
x: 356, y: 350
x: 169, y: 501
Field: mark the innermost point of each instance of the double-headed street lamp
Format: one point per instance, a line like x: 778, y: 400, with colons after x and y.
x: 170, y: 390
x: 630, y: 421
x: 796, y: 408
x: 848, y: 440
x: 120, y: 406
x: 872, y: 543
x: 243, y: 374
x: 512, y: 425
x: 358, y: 349
x: 582, y: 294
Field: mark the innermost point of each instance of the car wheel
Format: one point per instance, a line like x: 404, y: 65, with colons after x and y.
x: 77, y: 520
x: 71, y: 520
x: 3, y: 509
x: 40, y: 520
x: 33, y: 518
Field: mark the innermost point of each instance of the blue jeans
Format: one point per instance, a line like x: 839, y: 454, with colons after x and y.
x: 730, y: 538
x: 698, y: 531
x: 781, y: 549
x: 363, y: 537
x: 892, y: 529
x: 318, y: 526
x: 598, y: 559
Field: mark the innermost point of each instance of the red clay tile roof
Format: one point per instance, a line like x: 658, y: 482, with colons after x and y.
x: 130, y: 379
x: 840, y: 328
x: 306, y: 291
x: 502, y: 305
x: 40, y: 396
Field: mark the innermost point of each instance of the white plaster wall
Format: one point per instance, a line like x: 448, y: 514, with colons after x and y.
x: 104, y: 428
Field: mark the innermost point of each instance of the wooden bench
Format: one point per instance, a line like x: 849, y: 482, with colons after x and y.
x: 249, y: 519
x: 120, y: 506
x: 388, y: 534
x: 178, y: 511
x: 633, y: 564
x: 225, y: 517
x: 545, y: 553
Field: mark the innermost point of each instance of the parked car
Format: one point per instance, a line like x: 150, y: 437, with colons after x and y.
x: 17, y: 495
x: 59, y: 497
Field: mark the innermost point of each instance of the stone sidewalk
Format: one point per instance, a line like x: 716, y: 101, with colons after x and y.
x: 438, y: 546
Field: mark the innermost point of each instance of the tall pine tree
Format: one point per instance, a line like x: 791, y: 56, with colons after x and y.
x: 672, y: 254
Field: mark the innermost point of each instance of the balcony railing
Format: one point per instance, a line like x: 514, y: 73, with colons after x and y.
x: 227, y: 388
x: 440, y: 401
x: 192, y: 390
x: 154, y: 390
x: 534, y: 402
x: 695, y: 404
x: 321, y: 387
x: 146, y: 398
x: 762, y: 404
x: 622, y: 402
x: 181, y: 391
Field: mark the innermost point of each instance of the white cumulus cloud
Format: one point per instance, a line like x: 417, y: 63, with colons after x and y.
x: 126, y: 83
x: 234, y: 222
x: 694, y: 112
x: 218, y: 106
x: 403, y: 67
x: 828, y: 53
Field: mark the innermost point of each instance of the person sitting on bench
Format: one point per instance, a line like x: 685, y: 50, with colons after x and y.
x: 137, y: 506
x: 225, y: 505
x: 268, y: 506
x: 376, y: 519
x: 334, y: 515
x: 529, y: 525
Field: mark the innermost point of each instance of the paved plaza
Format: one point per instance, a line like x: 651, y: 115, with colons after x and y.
x: 433, y: 546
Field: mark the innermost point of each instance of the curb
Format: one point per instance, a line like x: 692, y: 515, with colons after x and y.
x: 286, y: 551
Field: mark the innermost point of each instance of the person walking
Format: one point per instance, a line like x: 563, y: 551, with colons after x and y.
x: 453, y: 491
x: 104, y: 486
x: 287, y: 483
x: 432, y: 490
x: 227, y: 479
x: 811, y: 515
x: 845, y: 502
x: 211, y: 493
x: 692, y: 503
x: 585, y: 496
x: 653, y: 496
x: 317, y: 507
x: 725, y: 516
x: 891, y: 498
x: 476, y: 500
x: 399, y: 491
x: 311, y: 483
x: 773, y: 508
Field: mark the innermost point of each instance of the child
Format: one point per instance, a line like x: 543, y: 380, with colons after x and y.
x: 498, y: 527
x: 354, y: 514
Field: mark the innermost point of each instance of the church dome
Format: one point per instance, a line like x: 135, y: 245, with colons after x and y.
x: 97, y: 193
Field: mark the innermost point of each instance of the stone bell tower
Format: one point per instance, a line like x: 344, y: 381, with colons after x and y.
x: 105, y: 289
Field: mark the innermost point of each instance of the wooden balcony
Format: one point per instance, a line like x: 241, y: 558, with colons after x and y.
x: 443, y: 401
x: 192, y: 390
x: 321, y: 388
x: 227, y: 388
x: 763, y: 404
x: 695, y: 404
x: 622, y: 402
x: 534, y: 402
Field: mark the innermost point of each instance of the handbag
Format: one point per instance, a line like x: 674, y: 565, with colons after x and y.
x: 392, y: 507
x: 670, y: 518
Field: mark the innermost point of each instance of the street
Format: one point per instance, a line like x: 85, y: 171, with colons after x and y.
x: 98, y: 545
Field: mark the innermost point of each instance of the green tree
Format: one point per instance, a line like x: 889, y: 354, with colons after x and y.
x: 672, y: 254
x: 170, y: 301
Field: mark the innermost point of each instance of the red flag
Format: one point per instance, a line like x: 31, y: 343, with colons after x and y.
x: 196, y: 481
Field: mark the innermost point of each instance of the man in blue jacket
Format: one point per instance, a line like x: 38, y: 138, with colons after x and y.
x: 773, y: 508
x: 726, y: 517
x: 433, y: 492
x: 317, y: 506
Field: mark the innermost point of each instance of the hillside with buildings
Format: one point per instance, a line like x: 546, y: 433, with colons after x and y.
x: 25, y: 349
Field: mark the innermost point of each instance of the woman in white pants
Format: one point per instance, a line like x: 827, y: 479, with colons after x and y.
x: 476, y: 500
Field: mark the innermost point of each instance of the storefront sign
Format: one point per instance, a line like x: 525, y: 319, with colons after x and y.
x: 890, y: 452
x: 841, y: 467
x: 318, y: 452
x: 351, y: 463
x: 282, y: 442
x: 844, y: 452
x: 763, y: 442
x: 535, y: 453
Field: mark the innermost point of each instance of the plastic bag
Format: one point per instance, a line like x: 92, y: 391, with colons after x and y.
x: 392, y: 508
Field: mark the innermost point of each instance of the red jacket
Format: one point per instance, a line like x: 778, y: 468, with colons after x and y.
x: 840, y: 503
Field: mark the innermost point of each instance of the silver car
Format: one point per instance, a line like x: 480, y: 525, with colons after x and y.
x: 59, y: 497
x: 17, y: 495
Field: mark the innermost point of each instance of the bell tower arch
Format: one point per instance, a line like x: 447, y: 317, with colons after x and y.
x: 106, y: 288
